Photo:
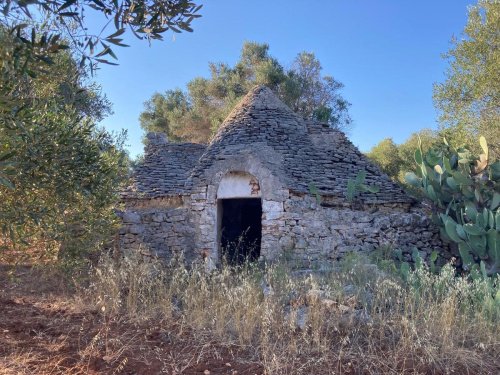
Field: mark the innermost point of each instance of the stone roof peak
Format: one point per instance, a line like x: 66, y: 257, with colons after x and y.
x: 261, y: 103
x: 262, y: 97
x: 156, y: 138
x: 264, y: 137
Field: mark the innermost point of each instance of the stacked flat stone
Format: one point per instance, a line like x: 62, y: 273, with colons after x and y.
x: 342, y: 161
x: 164, y: 170
x: 301, y: 153
x: 172, y: 204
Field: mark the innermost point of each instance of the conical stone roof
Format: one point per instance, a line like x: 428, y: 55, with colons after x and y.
x: 164, y: 170
x: 299, y: 153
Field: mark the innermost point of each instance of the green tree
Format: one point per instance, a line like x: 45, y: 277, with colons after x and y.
x: 469, y: 99
x: 386, y: 155
x: 196, y: 114
x: 56, y: 24
x: 395, y: 160
x: 59, y: 172
x: 163, y: 112
x: 316, y: 96
x: 406, y: 151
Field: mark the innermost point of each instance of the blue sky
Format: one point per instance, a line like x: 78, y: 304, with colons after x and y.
x: 388, y: 54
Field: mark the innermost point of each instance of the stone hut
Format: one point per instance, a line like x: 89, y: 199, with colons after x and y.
x: 270, y: 184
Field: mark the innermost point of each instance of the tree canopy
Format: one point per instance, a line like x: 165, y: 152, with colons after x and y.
x: 386, y: 155
x: 46, y: 26
x: 195, y: 114
x: 58, y: 170
x: 469, y: 99
x: 395, y: 160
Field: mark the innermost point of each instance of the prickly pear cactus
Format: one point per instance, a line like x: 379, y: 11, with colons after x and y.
x: 357, y: 186
x: 465, y: 191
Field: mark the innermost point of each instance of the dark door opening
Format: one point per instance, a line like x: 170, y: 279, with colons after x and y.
x: 240, y: 229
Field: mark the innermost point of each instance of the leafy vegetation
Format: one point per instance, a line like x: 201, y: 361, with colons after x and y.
x: 468, y: 100
x: 47, y: 26
x: 357, y: 186
x: 59, y: 172
x: 465, y: 192
x: 395, y: 160
x: 196, y: 114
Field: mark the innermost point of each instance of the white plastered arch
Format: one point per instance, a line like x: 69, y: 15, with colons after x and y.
x: 238, y: 184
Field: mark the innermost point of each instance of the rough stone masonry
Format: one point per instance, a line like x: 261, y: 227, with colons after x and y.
x: 297, y: 168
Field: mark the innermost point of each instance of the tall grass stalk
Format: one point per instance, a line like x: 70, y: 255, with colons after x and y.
x: 354, y: 318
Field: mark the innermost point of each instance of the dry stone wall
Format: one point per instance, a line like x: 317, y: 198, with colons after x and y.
x: 172, y: 202
x: 294, y: 226
x: 314, y: 233
x: 159, y: 231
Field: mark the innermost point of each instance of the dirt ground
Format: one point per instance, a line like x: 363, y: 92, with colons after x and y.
x: 44, y: 329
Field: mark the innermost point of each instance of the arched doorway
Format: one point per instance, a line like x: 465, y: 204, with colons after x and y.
x: 239, y: 218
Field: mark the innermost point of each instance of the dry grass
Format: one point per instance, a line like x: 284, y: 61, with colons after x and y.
x: 134, y: 316
x: 354, y: 319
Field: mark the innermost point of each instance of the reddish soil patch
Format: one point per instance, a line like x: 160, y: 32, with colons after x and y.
x: 44, y: 330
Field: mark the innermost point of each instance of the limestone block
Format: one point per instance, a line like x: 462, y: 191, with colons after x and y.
x: 269, y: 224
x: 131, y: 217
x: 409, y: 219
x: 159, y: 217
x: 147, y: 217
x: 370, y: 230
x: 286, y: 243
x: 396, y: 221
x: 300, y: 243
x: 382, y: 222
x: 340, y: 227
x: 199, y: 190
x: 328, y: 244
x: 272, y: 206
x: 280, y: 195
x: 199, y: 196
x: 136, y: 229
x: 166, y: 226
x: 363, y: 219
x: 206, y: 230
x: 273, y: 215
x: 293, y: 216
x: 180, y: 229
x: 317, y: 224
x: 211, y: 192
x: 289, y: 205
